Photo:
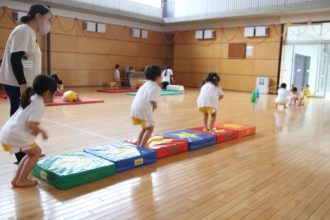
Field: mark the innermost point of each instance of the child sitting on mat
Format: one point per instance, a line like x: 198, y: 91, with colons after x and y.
x: 297, y: 98
x: 20, y: 131
x: 145, y: 102
x: 211, y: 93
x: 282, y: 95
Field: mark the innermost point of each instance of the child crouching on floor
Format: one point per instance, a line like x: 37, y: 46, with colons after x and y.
x: 20, y: 131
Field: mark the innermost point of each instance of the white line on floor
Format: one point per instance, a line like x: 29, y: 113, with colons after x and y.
x: 80, y: 130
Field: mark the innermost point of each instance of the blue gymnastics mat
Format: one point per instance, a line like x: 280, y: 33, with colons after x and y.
x: 196, y: 140
x: 126, y: 156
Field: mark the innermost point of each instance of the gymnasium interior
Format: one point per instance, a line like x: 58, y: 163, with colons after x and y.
x: 263, y: 160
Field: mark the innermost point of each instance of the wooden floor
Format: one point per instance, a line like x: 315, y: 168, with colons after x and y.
x: 283, y: 172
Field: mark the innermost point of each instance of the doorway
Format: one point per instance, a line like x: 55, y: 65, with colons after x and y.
x: 301, y: 71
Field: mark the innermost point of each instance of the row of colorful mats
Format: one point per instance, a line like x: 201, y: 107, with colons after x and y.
x: 94, y: 163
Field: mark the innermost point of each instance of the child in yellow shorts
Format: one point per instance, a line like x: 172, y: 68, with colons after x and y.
x: 209, y: 96
x: 20, y: 131
x: 145, y: 102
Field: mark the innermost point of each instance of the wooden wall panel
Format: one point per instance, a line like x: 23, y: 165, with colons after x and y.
x: 63, y: 43
x: 205, y: 65
x: 194, y: 58
x: 182, y: 65
x: 85, y: 59
x: 269, y: 50
x: 266, y: 67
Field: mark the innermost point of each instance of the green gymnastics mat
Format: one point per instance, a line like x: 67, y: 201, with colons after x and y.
x: 162, y: 93
x: 72, y: 169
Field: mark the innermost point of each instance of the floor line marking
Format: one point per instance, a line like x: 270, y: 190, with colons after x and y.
x: 78, y: 129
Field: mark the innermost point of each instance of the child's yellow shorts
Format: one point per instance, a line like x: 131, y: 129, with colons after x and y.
x: 138, y: 121
x: 207, y: 110
x: 11, y: 149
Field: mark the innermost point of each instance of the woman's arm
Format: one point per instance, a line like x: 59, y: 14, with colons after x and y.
x: 17, y: 66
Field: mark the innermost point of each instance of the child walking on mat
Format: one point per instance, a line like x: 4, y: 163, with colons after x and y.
x: 20, y: 131
x: 211, y: 93
x: 145, y: 103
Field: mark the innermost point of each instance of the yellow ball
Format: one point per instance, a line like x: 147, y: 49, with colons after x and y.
x: 70, y: 96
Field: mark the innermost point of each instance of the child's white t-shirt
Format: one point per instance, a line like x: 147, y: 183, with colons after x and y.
x: 297, y: 95
x: 167, y: 78
x: 282, y: 95
x: 22, y: 38
x: 116, y: 74
x: 15, y: 132
x: 209, y: 96
x: 141, y: 107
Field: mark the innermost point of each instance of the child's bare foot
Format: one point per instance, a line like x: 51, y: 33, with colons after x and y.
x: 26, y: 183
x: 206, y: 129
x: 213, y: 130
x: 13, y: 182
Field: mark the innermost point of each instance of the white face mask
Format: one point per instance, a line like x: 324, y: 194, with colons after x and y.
x: 44, y: 27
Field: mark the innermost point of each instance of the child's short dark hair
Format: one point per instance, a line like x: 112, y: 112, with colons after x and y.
x: 57, y: 79
x: 212, y: 77
x: 117, y: 66
x: 283, y: 86
x: 307, y: 85
x: 294, y: 89
x: 152, y: 71
x: 41, y: 84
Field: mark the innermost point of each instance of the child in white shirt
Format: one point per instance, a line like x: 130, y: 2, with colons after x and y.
x: 167, y: 77
x: 208, y: 99
x: 145, y: 102
x: 296, y: 98
x: 20, y: 131
x: 116, y: 75
x: 282, y: 95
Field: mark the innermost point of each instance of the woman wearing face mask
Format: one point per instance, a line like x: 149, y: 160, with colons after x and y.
x: 22, y: 56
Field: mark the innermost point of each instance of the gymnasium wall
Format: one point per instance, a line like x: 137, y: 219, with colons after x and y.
x: 194, y: 58
x: 87, y: 59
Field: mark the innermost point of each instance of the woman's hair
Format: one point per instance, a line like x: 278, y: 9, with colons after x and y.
x: 117, y: 66
x: 40, y: 85
x: 283, y: 85
x: 152, y: 71
x: 212, y: 78
x: 166, y: 68
x: 57, y: 79
x: 35, y: 9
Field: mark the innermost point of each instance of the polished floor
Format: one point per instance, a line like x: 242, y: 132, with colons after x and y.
x: 283, y: 172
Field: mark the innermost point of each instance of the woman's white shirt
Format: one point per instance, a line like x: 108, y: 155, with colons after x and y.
x: 22, y: 38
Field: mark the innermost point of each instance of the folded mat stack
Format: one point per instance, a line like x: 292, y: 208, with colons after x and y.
x: 196, y: 140
x: 118, y: 90
x: 165, y: 147
x: 72, y: 169
x: 98, y: 162
x: 162, y: 93
x: 126, y: 156
x: 222, y: 134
